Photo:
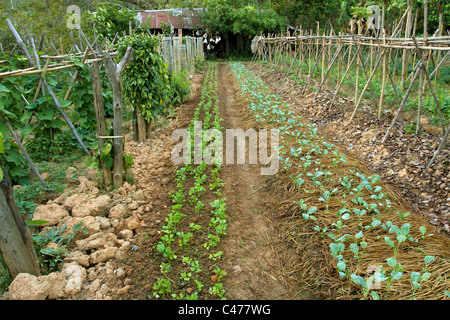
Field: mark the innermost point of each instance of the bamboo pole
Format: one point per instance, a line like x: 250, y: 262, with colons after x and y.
x: 343, y: 77
x: 310, y: 76
x: 20, y: 42
x: 430, y: 84
x: 24, y: 151
x: 438, y: 150
x: 365, y: 72
x: 323, y: 59
x: 367, y: 84
x: 441, y: 27
x: 76, y: 75
x: 405, y: 98
x: 339, y: 60
x: 384, y: 77
x: 405, y: 52
x: 357, y: 80
x: 328, y: 71
x: 419, y: 105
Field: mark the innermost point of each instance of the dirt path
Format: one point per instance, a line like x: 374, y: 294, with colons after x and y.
x: 249, y: 245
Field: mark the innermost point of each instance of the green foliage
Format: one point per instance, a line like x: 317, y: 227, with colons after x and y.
x: 199, y: 64
x: 241, y: 17
x: 5, y: 276
x: 146, y: 81
x: 48, y: 17
x: 180, y: 87
x: 111, y: 19
x: 251, y: 20
x: 166, y: 28
x: 444, y: 75
x: 307, y: 12
x: 433, y: 16
x: 106, y: 156
x: 52, y: 257
x: 12, y: 159
x: 83, y: 113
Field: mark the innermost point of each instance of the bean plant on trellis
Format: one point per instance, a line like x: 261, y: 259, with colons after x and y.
x: 145, y: 83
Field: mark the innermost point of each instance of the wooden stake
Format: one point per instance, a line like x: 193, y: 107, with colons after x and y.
x: 405, y: 98
x: 24, y: 231
x: 115, y: 72
x: 343, y: 77
x: 328, y: 71
x: 310, y: 76
x: 323, y: 59
x: 367, y: 84
x: 12, y: 247
x: 77, y: 74
x: 365, y: 72
x: 100, y: 117
x: 431, y: 88
x: 20, y: 42
x: 405, y: 52
x: 438, y: 150
x: 384, y: 76
x: 419, y: 106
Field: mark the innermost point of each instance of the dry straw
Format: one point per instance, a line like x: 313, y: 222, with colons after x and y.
x: 313, y: 268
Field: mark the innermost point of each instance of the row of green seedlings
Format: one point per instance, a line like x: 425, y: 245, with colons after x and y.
x: 364, y: 196
x: 177, y: 241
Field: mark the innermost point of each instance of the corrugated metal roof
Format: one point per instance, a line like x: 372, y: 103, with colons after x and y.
x: 180, y: 18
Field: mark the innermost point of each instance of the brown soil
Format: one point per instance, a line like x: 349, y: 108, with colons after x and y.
x: 250, y: 245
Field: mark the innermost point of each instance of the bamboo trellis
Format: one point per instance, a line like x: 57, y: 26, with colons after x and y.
x: 182, y: 57
x: 302, y: 54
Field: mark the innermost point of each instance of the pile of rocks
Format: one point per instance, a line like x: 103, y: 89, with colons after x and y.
x: 91, y: 268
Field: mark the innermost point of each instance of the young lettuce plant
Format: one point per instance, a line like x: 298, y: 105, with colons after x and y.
x: 395, y: 274
x: 308, y: 214
x: 343, y: 214
x: 326, y: 197
x: 360, y: 281
x: 423, y: 231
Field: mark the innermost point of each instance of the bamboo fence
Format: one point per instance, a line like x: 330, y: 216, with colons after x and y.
x: 334, y: 57
x: 178, y: 56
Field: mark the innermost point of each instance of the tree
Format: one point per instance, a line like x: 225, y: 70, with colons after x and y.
x: 111, y: 19
x: 242, y: 18
x: 16, y: 245
x: 115, y: 72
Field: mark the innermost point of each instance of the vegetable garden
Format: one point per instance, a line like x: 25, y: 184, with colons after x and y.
x: 348, y: 215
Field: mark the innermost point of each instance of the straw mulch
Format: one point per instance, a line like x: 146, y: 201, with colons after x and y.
x: 312, y: 268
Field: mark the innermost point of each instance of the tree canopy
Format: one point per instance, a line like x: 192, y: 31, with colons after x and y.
x: 246, y: 18
x: 242, y: 17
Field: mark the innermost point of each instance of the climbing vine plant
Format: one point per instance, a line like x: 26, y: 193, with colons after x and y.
x: 146, y: 82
